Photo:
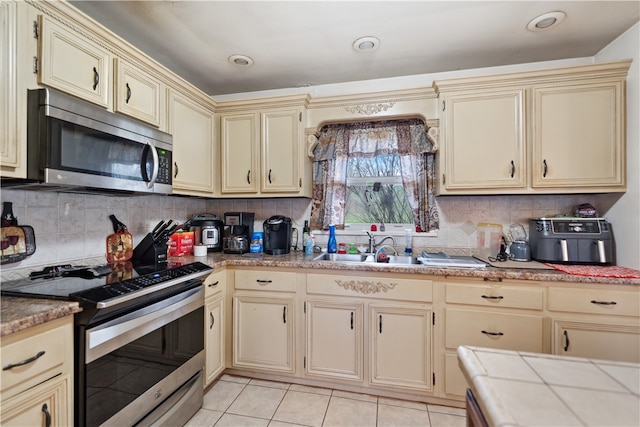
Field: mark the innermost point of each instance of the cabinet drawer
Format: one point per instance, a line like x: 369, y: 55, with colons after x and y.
x: 43, y: 349
x: 215, y: 283
x: 595, y: 301
x: 494, y: 295
x: 263, y: 280
x: 389, y: 288
x: 494, y: 330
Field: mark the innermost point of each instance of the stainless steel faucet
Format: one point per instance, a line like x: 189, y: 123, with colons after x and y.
x: 372, y: 242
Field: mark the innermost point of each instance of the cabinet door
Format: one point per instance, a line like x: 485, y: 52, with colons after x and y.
x: 334, y: 340
x: 137, y: 94
x: 47, y: 404
x: 401, y: 350
x: 597, y: 340
x: 214, y: 338
x: 484, y: 137
x: 281, y: 138
x: 239, y: 146
x: 263, y: 333
x: 192, y: 127
x: 578, y: 136
x: 73, y: 64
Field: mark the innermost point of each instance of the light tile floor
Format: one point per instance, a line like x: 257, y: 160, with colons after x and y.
x: 238, y: 401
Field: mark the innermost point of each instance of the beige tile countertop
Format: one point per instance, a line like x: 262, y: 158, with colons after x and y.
x: 22, y: 313
x: 300, y: 260
x: 531, y: 389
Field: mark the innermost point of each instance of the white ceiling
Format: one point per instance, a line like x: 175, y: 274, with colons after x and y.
x: 310, y: 42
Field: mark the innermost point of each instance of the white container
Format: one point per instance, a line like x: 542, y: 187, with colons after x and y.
x: 199, y: 250
x: 489, y: 236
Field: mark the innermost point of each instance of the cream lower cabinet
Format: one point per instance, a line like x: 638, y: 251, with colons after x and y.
x: 396, y: 330
x: 334, y: 339
x: 191, y: 123
x: 263, y: 320
x: 400, y: 340
x: 502, y: 315
x: 214, y: 325
x: 40, y: 391
x: 595, y: 323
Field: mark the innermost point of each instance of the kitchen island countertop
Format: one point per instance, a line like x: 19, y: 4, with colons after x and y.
x: 532, y: 389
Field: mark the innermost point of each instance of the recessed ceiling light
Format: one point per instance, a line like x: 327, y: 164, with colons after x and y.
x: 241, y: 60
x: 546, y: 21
x: 366, y: 44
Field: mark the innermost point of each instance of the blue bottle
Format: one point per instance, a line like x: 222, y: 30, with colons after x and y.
x: 332, y: 245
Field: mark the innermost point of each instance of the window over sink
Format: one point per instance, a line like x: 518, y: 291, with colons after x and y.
x: 374, y: 173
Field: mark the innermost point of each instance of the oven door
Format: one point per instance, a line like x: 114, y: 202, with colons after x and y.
x: 130, y: 365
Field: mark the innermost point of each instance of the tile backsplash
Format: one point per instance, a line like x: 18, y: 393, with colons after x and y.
x: 72, y: 227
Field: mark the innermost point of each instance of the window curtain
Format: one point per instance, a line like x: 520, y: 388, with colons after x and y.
x: 406, y: 138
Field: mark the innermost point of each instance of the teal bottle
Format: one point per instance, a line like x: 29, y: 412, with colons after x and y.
x: 332, y: 245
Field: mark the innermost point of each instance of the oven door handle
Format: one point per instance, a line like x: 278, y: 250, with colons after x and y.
x: 105, y: 338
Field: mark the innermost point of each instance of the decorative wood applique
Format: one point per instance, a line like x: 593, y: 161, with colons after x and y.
x: 368, y: 109
x: 365, y: 286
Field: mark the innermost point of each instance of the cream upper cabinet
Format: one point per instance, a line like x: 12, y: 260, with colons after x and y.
x: 578, y: 136
x: 137, y: 94
x: 263, y: 150
x: 546, y: 131
x: 334, y: 340
x: 485, y: 140
x: 17, y: 50
x: 401, y: 349
x: 595, y: 323
x: 73, y: 63
x: 240, y: 152
x: 281, y: 144
x: 192, y: 125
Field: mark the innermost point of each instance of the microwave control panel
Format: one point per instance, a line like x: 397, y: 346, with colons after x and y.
x: 164, y: 168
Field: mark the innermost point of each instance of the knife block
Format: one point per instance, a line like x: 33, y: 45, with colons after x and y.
x: 148, y: 252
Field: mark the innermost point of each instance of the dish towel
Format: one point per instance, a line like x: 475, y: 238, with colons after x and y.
x: 598, y: 271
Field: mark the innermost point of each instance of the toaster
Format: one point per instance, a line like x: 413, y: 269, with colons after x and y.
x: 586, y: 241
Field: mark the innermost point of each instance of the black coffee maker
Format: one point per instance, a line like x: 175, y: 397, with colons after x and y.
x: 238, y: 228
x: 277, y: 235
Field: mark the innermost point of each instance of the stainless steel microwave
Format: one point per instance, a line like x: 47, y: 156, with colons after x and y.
x: 73, y: 145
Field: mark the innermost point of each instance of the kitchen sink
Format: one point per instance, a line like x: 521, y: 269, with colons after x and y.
x: 341, y: 257
x: 367, y: 258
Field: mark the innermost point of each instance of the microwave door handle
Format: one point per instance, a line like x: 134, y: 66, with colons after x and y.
x: 156, y: 165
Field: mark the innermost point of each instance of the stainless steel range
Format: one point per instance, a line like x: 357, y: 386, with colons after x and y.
x: 139, y: 341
